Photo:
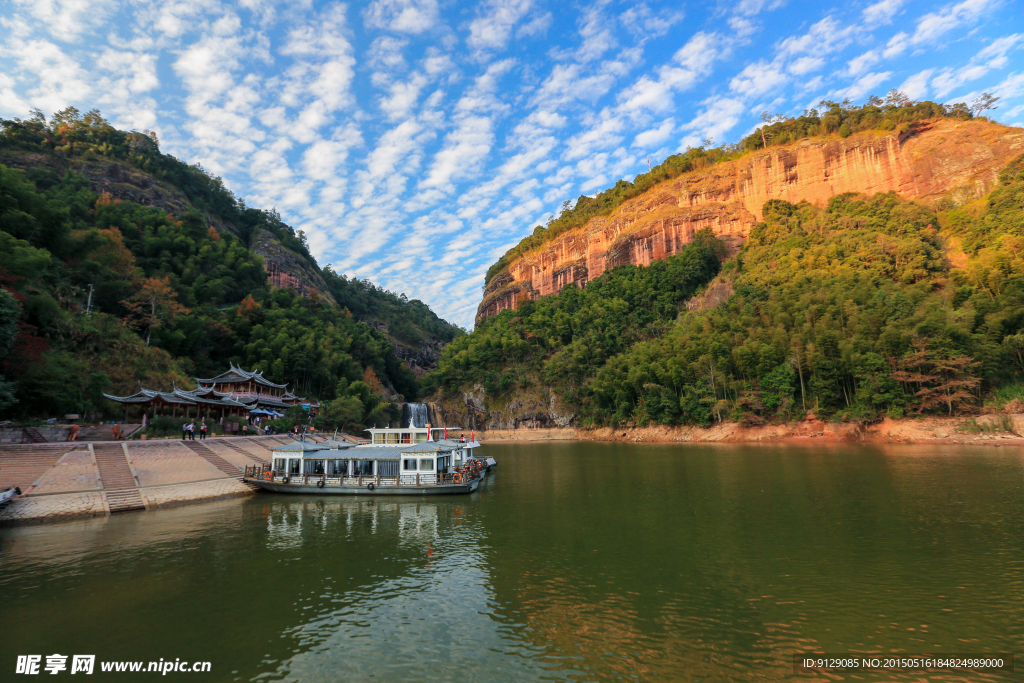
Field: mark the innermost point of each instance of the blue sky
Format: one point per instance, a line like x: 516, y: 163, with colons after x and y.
x: 414, y: 141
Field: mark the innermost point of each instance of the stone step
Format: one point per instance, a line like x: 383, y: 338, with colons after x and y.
x: 209, y: 456
x: 113, y: 466
x: 235, y: 447
x: 23, y: 464
x: 124, y: 500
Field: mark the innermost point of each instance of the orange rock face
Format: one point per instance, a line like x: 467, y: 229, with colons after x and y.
x: 941, y: 158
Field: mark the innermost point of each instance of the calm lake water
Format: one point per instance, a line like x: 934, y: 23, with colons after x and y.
x: 576, y: 561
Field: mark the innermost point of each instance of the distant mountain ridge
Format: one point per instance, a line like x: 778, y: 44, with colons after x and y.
x: 935, y: 160
x: 121, y: 264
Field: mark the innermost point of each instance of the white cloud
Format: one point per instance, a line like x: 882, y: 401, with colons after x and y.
x: 406, y: 16
x: 647, y: 24
x: 752, y: 7
x: 67, y: 20
x: 402, y: 97
x: 757, y: 79
x: 916, y: 86
x: 865, y: 85
x: 655, y: 136
x: 937, y: 24
x: 58, y: 78
x: 603, y: 132
x: 825, y: 37
x: 535, y: 27
x: 993, y: 56
x: 805, y: 65
x: 386, y: 53
x: 690, y: 63
x: 897, y: 45
x: 719, y: 116
x: 997, y: 50
x: 464, y: 149
x: 863, y: 62
x: 881, y: 12
x: 493, y: 27
x: 950, y: 79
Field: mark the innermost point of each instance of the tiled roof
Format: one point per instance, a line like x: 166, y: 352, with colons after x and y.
x: 237, y: 374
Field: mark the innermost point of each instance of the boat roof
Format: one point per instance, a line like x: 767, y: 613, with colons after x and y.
x: 342, y: 449
x: 302, y: 446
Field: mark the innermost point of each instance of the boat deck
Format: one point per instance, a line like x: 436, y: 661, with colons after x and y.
x: 378, y: 485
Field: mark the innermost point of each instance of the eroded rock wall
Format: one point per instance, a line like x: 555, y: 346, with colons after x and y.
x: 947, y: 157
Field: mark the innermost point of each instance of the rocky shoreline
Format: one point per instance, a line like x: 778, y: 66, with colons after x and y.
x: 993, y: 430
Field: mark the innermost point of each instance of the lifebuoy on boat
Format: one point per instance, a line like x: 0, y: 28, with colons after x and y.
x: 457, y: 477
x: 320, y: 484
x: 286, y: 480
x: 370, y: 487
x: 267, y: 476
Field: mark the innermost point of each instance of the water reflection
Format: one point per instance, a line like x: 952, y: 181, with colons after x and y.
x: 577, y: 562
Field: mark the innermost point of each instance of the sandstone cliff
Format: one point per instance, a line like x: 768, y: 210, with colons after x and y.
x: 287, y: 269
x: 946, y: 158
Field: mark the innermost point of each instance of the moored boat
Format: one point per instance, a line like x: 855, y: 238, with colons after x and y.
x: 394, y: 462
x: 8, y: 494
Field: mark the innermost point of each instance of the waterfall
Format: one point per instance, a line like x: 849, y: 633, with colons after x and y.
x: 417, y: 412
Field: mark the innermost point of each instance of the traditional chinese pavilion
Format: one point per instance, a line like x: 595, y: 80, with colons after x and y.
x: 235, y: 392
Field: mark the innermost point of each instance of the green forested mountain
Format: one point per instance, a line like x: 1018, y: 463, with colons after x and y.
x: 868, y: 307
x: 99, y: 292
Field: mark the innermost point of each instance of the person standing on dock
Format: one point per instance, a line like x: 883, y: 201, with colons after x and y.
x: 184, y: 431
x: 202, y: 431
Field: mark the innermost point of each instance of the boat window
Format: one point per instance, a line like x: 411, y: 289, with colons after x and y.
x: 362, y: 467
x: 387, y: 468
x: 337, y: 468
x: 279, y: 464
x: 314, y: 467
x: 378, y: 438
x: 406, y: 437
x: 426, y: 464
x: 421, y: 437
x: 293, y: 465
x: 410, y: 464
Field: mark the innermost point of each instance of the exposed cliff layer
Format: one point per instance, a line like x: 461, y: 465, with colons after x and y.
x: 948, y: 158
x: 287, y: 269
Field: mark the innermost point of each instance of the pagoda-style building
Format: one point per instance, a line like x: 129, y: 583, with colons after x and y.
x: 235, y: 392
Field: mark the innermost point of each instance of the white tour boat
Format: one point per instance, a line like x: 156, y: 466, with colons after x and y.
x: 395, y: 461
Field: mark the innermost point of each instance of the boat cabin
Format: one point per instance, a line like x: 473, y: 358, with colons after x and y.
x: 406, y: 456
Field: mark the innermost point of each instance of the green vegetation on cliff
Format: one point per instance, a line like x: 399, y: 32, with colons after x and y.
x: 108, y: 292
x: 842, y: 119
x: 562, y: 340
x: 851, y: 311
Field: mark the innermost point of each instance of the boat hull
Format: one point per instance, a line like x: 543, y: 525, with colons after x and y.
x: 313, y: 489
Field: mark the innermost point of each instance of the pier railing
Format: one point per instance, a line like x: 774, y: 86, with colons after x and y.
x: 420, y: 479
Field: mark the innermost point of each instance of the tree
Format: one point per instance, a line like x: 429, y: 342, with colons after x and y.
x: 897, y: 98
x: 10, y: 311
x: 983, y: 102
x: 154, y: 304
x: 942, y: 378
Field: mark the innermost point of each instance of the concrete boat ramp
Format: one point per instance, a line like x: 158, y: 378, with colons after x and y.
x: 63, y: 481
